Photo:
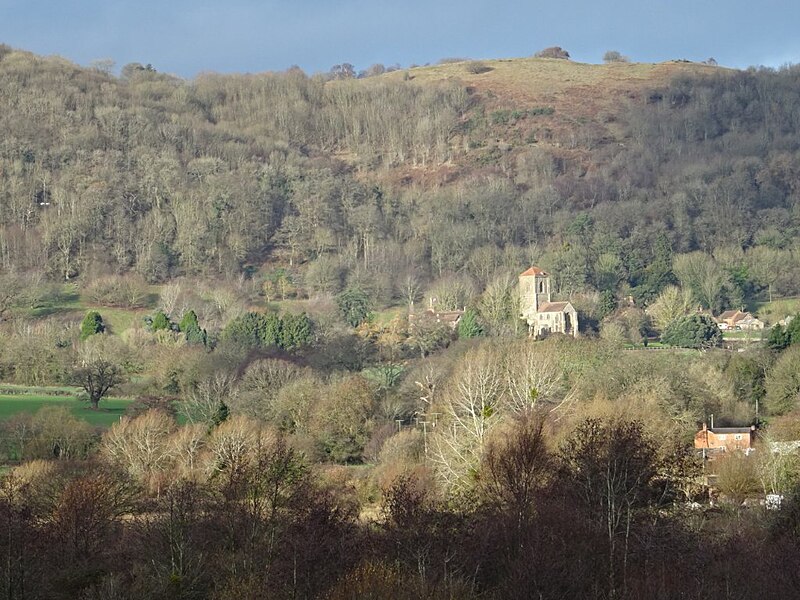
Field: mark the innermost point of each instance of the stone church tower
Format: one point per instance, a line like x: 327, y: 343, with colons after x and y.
x: 534, y: 291
x: 541, y: 314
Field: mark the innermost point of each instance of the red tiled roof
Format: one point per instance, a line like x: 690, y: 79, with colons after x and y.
x: 533, y: 271
x: 553, y: 307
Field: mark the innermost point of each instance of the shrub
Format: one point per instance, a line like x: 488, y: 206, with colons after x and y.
x: 92, y: 324
x: 501, y: 117
x: 737, y: 477
x: 161, y: 322
x: 553, y: 52
x: 116, y: 290
x: 191, y: 329
x: 612, y: 56
x: 477, y: 67
x: 143, y: 404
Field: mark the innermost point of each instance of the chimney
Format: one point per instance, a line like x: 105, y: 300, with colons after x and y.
x: 705, y: 427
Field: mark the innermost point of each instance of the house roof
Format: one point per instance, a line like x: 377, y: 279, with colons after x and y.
x: 750, y: 319
x: 730, y: 430
x: 450, y: 316
x: 549, y: 307
x: 532, y: 272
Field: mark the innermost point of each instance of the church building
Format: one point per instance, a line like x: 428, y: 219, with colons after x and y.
x: 543, y: 316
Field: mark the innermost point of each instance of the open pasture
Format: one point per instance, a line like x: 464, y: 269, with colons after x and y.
x: 110, y: 411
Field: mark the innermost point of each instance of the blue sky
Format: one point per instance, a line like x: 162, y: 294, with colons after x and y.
x: 186, y: 37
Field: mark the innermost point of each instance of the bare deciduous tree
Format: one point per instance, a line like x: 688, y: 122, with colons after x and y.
x: 142, y: 446
x: 97, y: 378
x: 534, y: 378
x: 186, y: 447
x: 472, y: 408
x: 517, y: 466
x: 235, y: 444
x: 202, y: 403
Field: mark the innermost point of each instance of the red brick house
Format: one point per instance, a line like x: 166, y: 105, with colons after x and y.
x: 718, y: 440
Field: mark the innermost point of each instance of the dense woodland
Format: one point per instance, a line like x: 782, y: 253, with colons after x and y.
x: 239, y: 255
x: 165, y: 178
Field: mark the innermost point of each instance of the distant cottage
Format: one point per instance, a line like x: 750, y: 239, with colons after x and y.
x: 542, y: 315
x: 737, y: 319
x: 451, y: 318
x: 713, y: 440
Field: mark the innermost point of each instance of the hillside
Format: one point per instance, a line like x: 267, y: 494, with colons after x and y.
x: 235, y: 272
x: 564, y: 107
x: 598, y: 172
x: 578, y: 92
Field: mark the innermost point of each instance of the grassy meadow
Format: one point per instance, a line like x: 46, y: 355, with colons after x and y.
x: 110, y: 411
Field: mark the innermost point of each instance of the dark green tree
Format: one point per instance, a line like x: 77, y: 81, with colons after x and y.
x: 197, y: 336
x: 778, y: 338
x: 650, y: 270
x: 296, y: 331
x: 247, y: 330
x: 692, y: 331
x: 747, y: 373
x: 92, y: 324
x: 189, y: 321
x: 781, y: 337
x: 607, y: 304
x: 272, y: 331
x: 355, y: 306
x: 469, y: 326
x: 160, y: 322
x: 191, y: 330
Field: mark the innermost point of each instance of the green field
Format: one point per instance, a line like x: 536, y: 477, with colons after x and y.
x: 109, y: 413
x: 745, y: 336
